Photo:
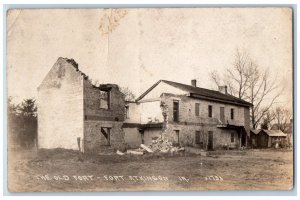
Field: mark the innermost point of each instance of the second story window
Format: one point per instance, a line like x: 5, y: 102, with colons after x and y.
x: 175, y: 111
x: 222, y: 114
x: 105, y: 100
x: 209, y: 111
x: 126, y: 112
x: 232, y: 113
x: 197, y: 109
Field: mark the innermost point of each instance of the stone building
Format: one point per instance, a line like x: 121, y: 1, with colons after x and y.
x: 73, y: 113
x: 188, y: 116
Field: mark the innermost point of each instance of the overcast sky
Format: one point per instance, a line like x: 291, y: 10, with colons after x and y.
x: 146, y: 45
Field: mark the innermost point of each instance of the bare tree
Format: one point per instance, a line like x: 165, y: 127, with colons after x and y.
x: 261, y: 93
x: 236, y: 78
x: 267, y: 120
x: 246, y: 81
x: 129, y: 96
x: 282, y: 118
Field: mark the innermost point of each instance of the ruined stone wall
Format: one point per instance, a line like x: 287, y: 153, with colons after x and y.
x: 95, y: 141
x: 60, y: 107
x: 92, y: 108
x: 96, y: 118
x: 189, y: 123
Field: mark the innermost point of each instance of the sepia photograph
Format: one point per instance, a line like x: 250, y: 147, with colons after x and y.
x: 150, y: 99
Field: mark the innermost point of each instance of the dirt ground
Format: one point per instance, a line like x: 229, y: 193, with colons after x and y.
x: 62, y: 170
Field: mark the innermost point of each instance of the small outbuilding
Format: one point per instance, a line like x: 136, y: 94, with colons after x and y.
x: 253, y: 137
x: 267, y: 138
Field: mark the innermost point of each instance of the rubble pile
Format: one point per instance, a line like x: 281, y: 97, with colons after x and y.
x: 163, y: 145
x: 158, y: 145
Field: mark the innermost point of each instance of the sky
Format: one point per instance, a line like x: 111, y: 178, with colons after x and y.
x: 143, y: 46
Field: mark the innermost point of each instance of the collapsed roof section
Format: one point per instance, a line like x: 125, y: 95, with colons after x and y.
x: 102, y: 87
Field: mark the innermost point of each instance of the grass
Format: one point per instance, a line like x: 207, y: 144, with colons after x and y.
x: 223, y: 170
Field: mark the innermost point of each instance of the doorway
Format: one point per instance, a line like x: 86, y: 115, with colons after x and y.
x: 210, y: 145
x: 106, y: 133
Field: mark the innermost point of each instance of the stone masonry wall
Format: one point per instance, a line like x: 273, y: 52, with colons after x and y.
x: 95, y: 141
x: 60, y: 107
x: 92, y: 104
x: 189, y: 123
x: 96, y: 118
x: 187, y: 135
x: 187, y: 110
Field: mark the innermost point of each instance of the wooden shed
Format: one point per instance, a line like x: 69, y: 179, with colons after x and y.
x: 268, y: 138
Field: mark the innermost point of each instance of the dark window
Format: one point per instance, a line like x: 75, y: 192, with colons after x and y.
x: 199, y: 139
x: 232, y: 137
x: 222, y: 114
x: 142, y: 136
x: 210, y: 142
x: 105, y: 99
x: 175, y: 111
x: 197, y: 108
x: 106, y: 133
x: 126, y: 112
x: 209, y: 111
x: 232, y: 113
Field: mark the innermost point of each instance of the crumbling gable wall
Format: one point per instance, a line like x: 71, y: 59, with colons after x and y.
x: 60, y: 107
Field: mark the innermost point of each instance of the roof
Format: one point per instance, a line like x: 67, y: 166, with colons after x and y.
x: 274, y: 133
x: 201, y: 93
x: 255, y: 131
x: 232, y: 126
x: 288, y: 127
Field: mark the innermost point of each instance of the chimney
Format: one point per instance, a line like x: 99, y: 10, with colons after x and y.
x: 223, y: 89
x: 194, y: 83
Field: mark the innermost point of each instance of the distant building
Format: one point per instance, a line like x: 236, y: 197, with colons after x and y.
x: 253, y: 142
x: 287, y: 128
x: 188, y: 116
